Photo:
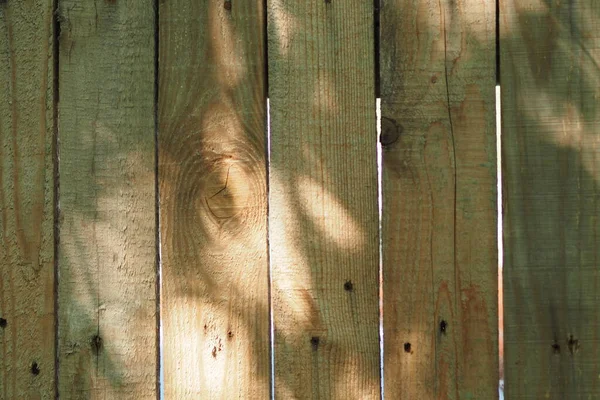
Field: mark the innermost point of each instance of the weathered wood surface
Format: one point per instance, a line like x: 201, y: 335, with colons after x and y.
x: 213, y: 196
x: 439, y: 199
x: 323, y: 202
x: 551, y: 140
x: 107, y: 253
x: 26, y: 200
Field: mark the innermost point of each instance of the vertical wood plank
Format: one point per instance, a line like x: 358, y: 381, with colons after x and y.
x: 213, y: 196
x: 26, y: 200
x: 550, y: 52
x: 107, y: 253
x: 323, y: 202
x: 439, y: 199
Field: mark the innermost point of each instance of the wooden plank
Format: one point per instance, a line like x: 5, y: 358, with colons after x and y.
x: 323, y: 199
x: 107, y: 253
x: 213, y: 196
x: 26, y: 200
x: 551, y: 129
x: 439, y: 199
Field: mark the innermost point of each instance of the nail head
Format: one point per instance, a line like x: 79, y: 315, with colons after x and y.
x: 314, y: 341
x: 35, y: 368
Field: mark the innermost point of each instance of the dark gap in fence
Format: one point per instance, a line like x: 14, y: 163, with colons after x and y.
x: 497, y: 42
x: 268, y: 190
x: 380, y: 240
x: 377, y: 26
x: 157, y: 205
x: 269, y: 268
x: 266, y: 49
x: 377, y: 72
x: 499, y: 205
x: 55, y: 176
x: 499, y: 238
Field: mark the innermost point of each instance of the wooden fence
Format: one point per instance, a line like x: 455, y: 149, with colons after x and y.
x: 128, y: 126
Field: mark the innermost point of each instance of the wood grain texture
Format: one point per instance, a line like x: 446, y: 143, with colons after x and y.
x: 213, y: 196
x: 551, y: 141
x: 323, y: 199
x: 439, y: 199
x: 26, y: 200
x: 107, y: 254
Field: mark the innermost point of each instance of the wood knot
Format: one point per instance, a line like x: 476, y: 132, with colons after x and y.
x: 227, y: 5
x: 407, y: 347
x: 228, y: 191
x: 556, y: 348
x: 3, y: 323
x: 390, y: 131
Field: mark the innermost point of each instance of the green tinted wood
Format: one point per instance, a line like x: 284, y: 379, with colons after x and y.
x: 323, y: 202
x: 26, y: 200
x: 107, y: 253
x: 439, y: 199
x: 551, y: 130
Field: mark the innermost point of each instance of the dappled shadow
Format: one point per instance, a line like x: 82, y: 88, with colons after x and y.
x: 26, y: 192
x: 106, y: 255
x: 550, y: 85
x: 439, y: 199
x: 323, y: 213
x: 213, y: 200
x: 323, y: 200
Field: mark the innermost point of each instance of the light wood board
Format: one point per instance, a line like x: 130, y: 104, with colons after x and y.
x: 213, y: 200
x: 323, y: 199
x: 439, y: 199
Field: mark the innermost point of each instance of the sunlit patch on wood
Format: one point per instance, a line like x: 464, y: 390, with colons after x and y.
x: 329, y: 215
